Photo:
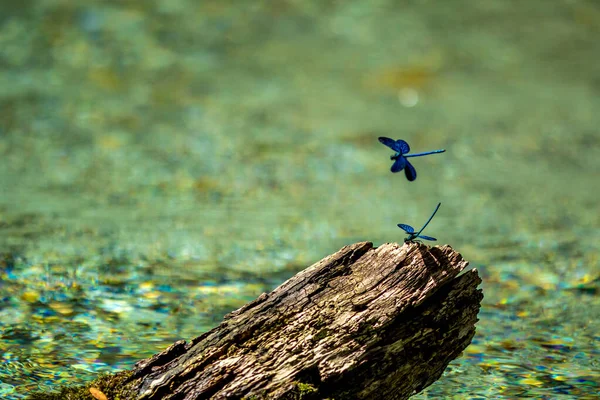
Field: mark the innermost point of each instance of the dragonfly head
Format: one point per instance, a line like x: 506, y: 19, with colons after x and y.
x: 411, y: 238
x: 395, y: 156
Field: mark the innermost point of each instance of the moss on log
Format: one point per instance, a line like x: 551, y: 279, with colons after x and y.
x: 363, y: 323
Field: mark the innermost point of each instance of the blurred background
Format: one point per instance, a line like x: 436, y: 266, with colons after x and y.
x: 163, y: 162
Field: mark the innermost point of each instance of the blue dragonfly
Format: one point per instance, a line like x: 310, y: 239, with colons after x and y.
x: 412, y: 235
x: 400, y: 158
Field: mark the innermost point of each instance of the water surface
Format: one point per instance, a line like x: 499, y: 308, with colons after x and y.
x: 165, y: 162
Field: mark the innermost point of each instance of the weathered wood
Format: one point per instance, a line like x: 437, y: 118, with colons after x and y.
x: 363, y: 323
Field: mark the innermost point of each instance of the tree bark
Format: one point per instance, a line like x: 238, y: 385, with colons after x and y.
x: 363, y: 323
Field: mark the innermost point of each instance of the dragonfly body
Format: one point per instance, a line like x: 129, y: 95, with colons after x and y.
x: 412, y: 235
x: 400, y: 157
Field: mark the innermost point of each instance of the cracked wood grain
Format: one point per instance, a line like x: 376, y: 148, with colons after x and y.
x: 363, y: 323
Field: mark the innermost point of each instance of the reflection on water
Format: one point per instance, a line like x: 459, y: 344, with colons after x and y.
x: 164, y: 163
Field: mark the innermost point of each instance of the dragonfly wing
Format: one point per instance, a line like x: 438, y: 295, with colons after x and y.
x: 427, y: 237
x: 406, y: 228
x: 399, y: 164
x: 402, y: 146
x: 391, y: 143
x: 409, y: 171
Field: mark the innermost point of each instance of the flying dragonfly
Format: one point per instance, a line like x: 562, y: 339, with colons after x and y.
x: 400, y: 158
x: 412, y: 235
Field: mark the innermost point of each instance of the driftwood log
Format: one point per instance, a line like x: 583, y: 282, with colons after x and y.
x: 363, y: 323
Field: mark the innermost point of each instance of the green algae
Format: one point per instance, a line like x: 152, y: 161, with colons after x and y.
x: 112, y: 385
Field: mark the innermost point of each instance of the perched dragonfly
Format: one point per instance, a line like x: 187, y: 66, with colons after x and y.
x: 412, y: 235
x: 400, y: 158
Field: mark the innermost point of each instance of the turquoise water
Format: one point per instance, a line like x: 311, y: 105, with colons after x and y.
x: 164, y: 162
